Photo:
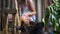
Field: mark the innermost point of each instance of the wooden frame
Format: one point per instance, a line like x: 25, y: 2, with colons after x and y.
x: 14, y: 12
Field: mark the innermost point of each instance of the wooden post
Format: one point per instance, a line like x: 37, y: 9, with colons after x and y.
x: 17, y: 16
x: 14, y: 21
x: 1, y: 22
x: 19, y: 23
x: 0, y: 4
x: 6, y: 21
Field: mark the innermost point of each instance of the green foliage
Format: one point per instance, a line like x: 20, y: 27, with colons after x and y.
x: 52, y: 15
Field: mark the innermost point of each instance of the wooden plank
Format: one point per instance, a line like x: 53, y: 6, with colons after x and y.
x: 13, y: 4
x: 4, y: 4
x: 0, y: 4
x: 6, y: 21
x: 17, y: 16
x: 8, y: 4
x: 11, y: 11
x: 19, y: 22
x: 14, y: 23
x: 2, y: 21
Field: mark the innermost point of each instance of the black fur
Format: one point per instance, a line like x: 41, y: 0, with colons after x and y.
x: 37, y: 29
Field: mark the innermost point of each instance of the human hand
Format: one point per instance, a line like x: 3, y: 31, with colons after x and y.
x: 25, y: 19
x: 25, y: 14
